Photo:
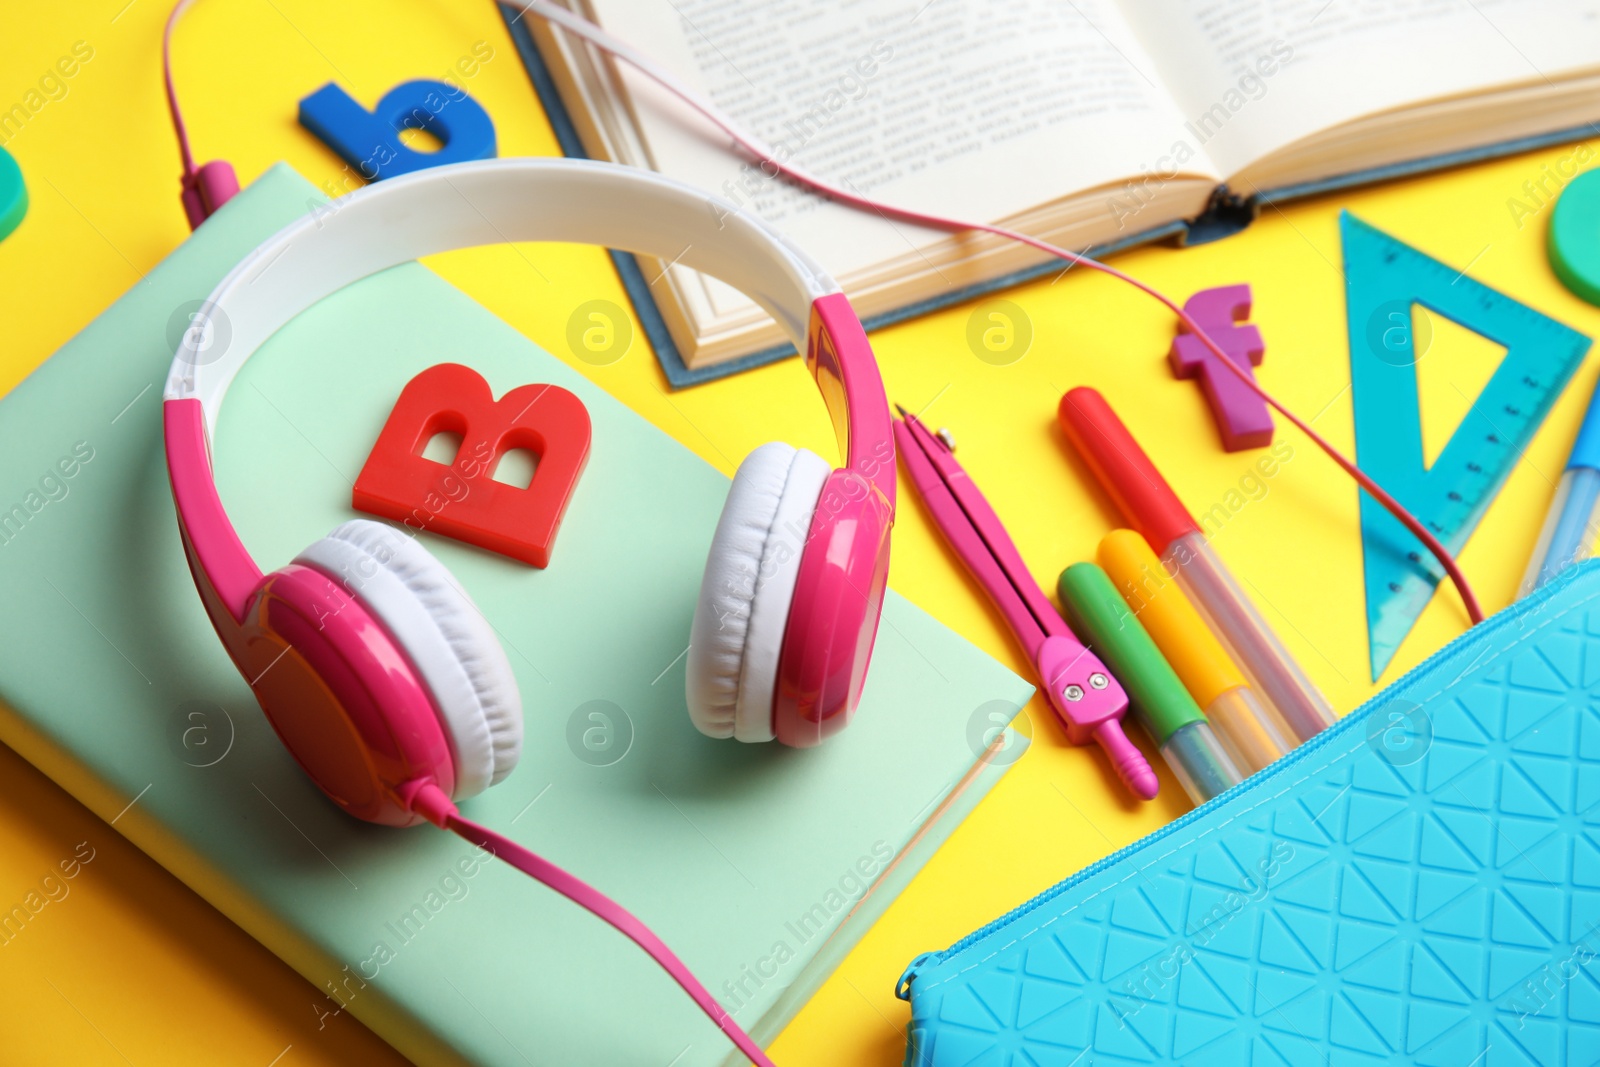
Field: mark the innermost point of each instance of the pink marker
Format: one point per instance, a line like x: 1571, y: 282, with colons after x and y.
x: 1088, y: 700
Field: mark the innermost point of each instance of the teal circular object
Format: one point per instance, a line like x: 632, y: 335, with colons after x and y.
x: 13, y: 195
x: 1574, y: 241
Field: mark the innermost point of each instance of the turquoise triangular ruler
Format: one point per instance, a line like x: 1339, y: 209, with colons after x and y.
x: 1384, y: 280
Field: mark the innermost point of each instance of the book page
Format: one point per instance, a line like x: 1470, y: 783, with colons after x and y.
x: 955, y: 107
x: 1252, y: 76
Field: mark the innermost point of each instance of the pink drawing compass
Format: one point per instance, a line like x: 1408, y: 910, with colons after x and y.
x: 1085, y: 696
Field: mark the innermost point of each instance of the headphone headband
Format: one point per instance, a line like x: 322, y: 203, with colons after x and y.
x: 493, y: 202
x: 487, y: 202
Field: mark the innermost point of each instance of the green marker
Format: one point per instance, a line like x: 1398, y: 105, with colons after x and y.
x: 1156, y: 697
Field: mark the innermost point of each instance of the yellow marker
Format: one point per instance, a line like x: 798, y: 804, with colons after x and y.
x: 1253, y: 735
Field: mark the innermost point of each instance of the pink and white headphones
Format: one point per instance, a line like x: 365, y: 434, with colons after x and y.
x: 374, y: 666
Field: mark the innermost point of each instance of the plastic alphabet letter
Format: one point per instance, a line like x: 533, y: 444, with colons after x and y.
x: 462, y: 499
x: 369, y: 141
x: 1242, y: 417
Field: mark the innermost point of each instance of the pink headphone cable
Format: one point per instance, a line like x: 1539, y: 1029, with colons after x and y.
x: 172, y: 93
x: 429, y: 801
x: 600, y: 39
x: 208, y: 187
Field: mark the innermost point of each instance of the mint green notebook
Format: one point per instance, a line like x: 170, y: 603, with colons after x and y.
x: 747, y: 860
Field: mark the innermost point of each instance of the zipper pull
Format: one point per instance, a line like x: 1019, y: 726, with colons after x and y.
x: 902, y: 988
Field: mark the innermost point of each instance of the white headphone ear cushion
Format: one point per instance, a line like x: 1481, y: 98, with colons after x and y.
x: 748, y: 586
x: 445, y: 636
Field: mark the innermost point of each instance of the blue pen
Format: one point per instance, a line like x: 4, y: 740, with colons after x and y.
x: 1574, y: 519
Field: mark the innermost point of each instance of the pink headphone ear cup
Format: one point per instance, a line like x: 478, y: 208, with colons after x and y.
x: 749, y: 582
x: 442, y: 632
x: 340, y: 695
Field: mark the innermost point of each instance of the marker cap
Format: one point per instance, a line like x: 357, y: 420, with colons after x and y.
x: 1122, y: 468
x: 1097, y: 612
x: 1176, y: 627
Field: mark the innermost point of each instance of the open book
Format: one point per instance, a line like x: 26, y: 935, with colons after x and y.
x: 1087, y: 122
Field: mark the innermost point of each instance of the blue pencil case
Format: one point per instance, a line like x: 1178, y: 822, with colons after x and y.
x: 1420, y: 884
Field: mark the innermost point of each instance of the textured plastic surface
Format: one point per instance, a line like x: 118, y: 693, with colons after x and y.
x: 462, y: 498
x: 1421, y: 885
x: 1242, y: 417
x: 1384, y: 280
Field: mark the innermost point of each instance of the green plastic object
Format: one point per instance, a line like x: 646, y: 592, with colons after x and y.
x: 13, y: 195
x: 1102, y: 619
x: 1574, y: 241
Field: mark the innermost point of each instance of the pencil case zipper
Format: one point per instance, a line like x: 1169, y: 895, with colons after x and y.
x: 1512, y: 613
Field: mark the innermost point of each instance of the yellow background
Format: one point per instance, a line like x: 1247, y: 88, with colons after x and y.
x: 132, y: 967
